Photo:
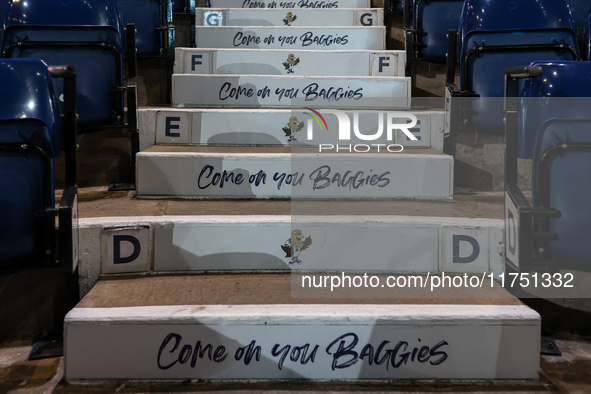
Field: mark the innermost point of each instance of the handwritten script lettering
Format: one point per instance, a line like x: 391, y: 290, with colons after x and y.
x: 321, y: 178
x: 307, y: 39
x: 310, y: 92
x: 290, y: 4
x: 341, y: 353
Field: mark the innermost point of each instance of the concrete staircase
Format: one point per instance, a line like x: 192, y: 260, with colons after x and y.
x: 221, y: 286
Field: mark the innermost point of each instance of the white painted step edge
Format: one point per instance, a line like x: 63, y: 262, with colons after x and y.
x: 314, y: 314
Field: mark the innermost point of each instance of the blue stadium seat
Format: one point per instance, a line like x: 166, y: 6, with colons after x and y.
x: 30, y: 137
x: 579, y: 10
x: 393, y: 7
x: 588, y: 37
x: 551, y: 124
x: 178, y: 6
x: 495, y: 34
x: 153, y: 24
x: 87, y: 34
x: 426, y: 39
x: 155, y: 34
x: 187, y: 7
x: 3, y: 8
x: 432, y: 20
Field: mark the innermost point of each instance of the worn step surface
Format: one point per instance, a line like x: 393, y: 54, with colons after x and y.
x: 303, y: 4
x: 254, y: 37
x: 250, y: 327
x: 280, y: 17
x: 355, y: 63
x: 96, y: 202
x: 256, y: 91
x: 172, y: 126
x: 243, y: 172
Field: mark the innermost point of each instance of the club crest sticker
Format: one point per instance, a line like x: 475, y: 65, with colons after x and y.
x: 291, y: 62
x: 289, y: 18
x: 292, y: 127
x: 295, y: 245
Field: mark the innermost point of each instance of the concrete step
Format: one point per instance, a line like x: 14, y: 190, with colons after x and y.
x: 257, y: 91
x: 298, y: 4
x: 171, y: 126
x: 253, y: 172
x: 281, y: 17
x: 336, y: 37
x: 185, y: 243
x: 228, y: 327
x: 287, y: 62
x: 460, y: 235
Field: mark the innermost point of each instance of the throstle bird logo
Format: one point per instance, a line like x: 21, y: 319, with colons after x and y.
x: 291, y: 62
x: 294, y: 246
x: 292, y: 127
x: 289, y: 18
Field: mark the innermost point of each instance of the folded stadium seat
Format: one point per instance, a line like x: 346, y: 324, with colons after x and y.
x: 154, y: 35
x: 432, y: 20
x: 587, y: 41
x: 30, y: 138
x: 3, y: 8
x: 393, y: 7
x: 87, y: 34
x: 495, y: 34
x: 550, y: 123
x: 187, y: 7
x: 178, y: 6
x: 579, y: 9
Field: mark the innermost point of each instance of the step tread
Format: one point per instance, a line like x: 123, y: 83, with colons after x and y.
x: 263, y: 289
x: 98, y: 202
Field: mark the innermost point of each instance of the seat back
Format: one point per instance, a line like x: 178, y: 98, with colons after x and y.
x: 87, y: 34
x: 178, y: 6
x: 432, y: 21
x: 29, y: 116
x: 579, y: 10
x: 151, y: 19
x: 3, y: 8
x: 495, y: 34
x: 587, y: 50
x: 400, y: 6
x: 554, y: 119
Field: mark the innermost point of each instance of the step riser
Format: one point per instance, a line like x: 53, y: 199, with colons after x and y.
x: 252, y: 91
x: 304, y: 17
x: 262, y: 127
x: 292, y: 37
x: 298, y: 4
x: 271, y: 62
x: 454, y: 342
x: 226, y: 243
x: 200, y: 175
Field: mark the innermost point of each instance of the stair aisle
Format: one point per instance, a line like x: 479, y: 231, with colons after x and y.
x: 254, y: 197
